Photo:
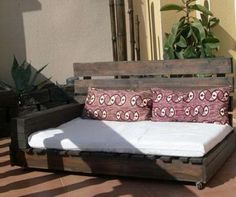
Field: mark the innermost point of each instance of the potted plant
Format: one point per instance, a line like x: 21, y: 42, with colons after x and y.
x: 191, y: 37
x: 8, y: 109
x: 25, y: 82
x: 34, y: 94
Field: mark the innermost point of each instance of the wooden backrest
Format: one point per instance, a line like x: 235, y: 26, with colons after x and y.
x: 211, y: 72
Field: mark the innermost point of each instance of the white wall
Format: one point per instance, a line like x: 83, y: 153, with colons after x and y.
x: 54, y: 32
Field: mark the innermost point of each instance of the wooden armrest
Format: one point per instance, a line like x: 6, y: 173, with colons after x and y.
x: 43, y: 120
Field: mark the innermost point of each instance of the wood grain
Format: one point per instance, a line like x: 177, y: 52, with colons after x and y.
x: 161, y: 67
x: 81, y: 86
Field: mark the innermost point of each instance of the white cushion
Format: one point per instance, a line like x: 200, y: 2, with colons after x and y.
x: 158, y: 138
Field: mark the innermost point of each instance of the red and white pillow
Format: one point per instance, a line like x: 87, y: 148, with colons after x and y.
x: 202, y: 105
x: 168, y: 105
x: 118, y: 105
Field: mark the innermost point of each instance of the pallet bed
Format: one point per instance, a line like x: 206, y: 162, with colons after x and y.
x: 132, y: 75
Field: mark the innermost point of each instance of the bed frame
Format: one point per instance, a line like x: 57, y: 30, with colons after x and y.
x: 168, y: 73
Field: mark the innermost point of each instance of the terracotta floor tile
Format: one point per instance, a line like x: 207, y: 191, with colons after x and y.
x: 15, y: 182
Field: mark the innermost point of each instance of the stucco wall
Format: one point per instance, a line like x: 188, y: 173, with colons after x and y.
x: 54, y: 32
x: 60, y: 32
x: 226, y: 31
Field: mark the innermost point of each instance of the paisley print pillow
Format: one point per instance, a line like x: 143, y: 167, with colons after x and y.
x: 118, y: 105
x: 198, y: 105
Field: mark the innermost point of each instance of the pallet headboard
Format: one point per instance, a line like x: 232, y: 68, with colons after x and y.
x: 146, y: 74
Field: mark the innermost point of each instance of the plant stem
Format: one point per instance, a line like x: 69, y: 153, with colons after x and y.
x: 187, y: 11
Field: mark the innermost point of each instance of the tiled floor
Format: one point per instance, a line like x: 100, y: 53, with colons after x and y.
x: 15, y: 181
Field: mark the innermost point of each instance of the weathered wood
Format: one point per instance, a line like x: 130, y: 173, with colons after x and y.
x: 166, y: 159
x: 184, y: 159
x: 43, y: 120
x: 128, y: 164
x: 131, y: 29
x: 137, y: 37
x: 102, y: 163
x: 161, y: 67
x: 113, y: 29
x: 121, y: 30
x: 81, y: 86
x: 216, y: 158
x: 219, y: 148
x: 196, y: 160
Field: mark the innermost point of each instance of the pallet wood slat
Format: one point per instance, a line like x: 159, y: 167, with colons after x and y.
x: 198, y: 66
x: 151, y: 157
x: 39, y: 151
x: 196, y: 160
x: 115, y: 166
x: 73, y: 153
x: 29, y: 150
x: 166, y: 159
x: 81, y: 86
x: 184, y: 159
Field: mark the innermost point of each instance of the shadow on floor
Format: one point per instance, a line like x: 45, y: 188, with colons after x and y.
x: 15, y: 173
x: 4, y: 153
x: 4, y: 145
x: 21, y: 184
x: 4, y: 163
x: 72, y: 187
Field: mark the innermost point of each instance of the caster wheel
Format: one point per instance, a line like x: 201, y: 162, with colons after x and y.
x: 199, y: 185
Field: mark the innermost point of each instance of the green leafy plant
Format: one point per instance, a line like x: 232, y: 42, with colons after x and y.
x: 25, y: 80
x: 191, y: 37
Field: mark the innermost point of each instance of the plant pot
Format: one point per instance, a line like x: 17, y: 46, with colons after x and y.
x: 8, y: 110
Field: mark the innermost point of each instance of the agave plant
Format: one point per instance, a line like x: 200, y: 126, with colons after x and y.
x: 24, y: 79
x: 191, y: 37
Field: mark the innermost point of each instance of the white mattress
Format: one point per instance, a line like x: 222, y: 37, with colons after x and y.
x: 159, y: 138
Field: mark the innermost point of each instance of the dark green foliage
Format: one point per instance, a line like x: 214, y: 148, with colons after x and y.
x: 24, y: 78
x: 191, y: 37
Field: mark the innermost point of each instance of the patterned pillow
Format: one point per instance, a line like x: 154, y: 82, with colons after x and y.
x: 199, y: 105
x: 118, y: 105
